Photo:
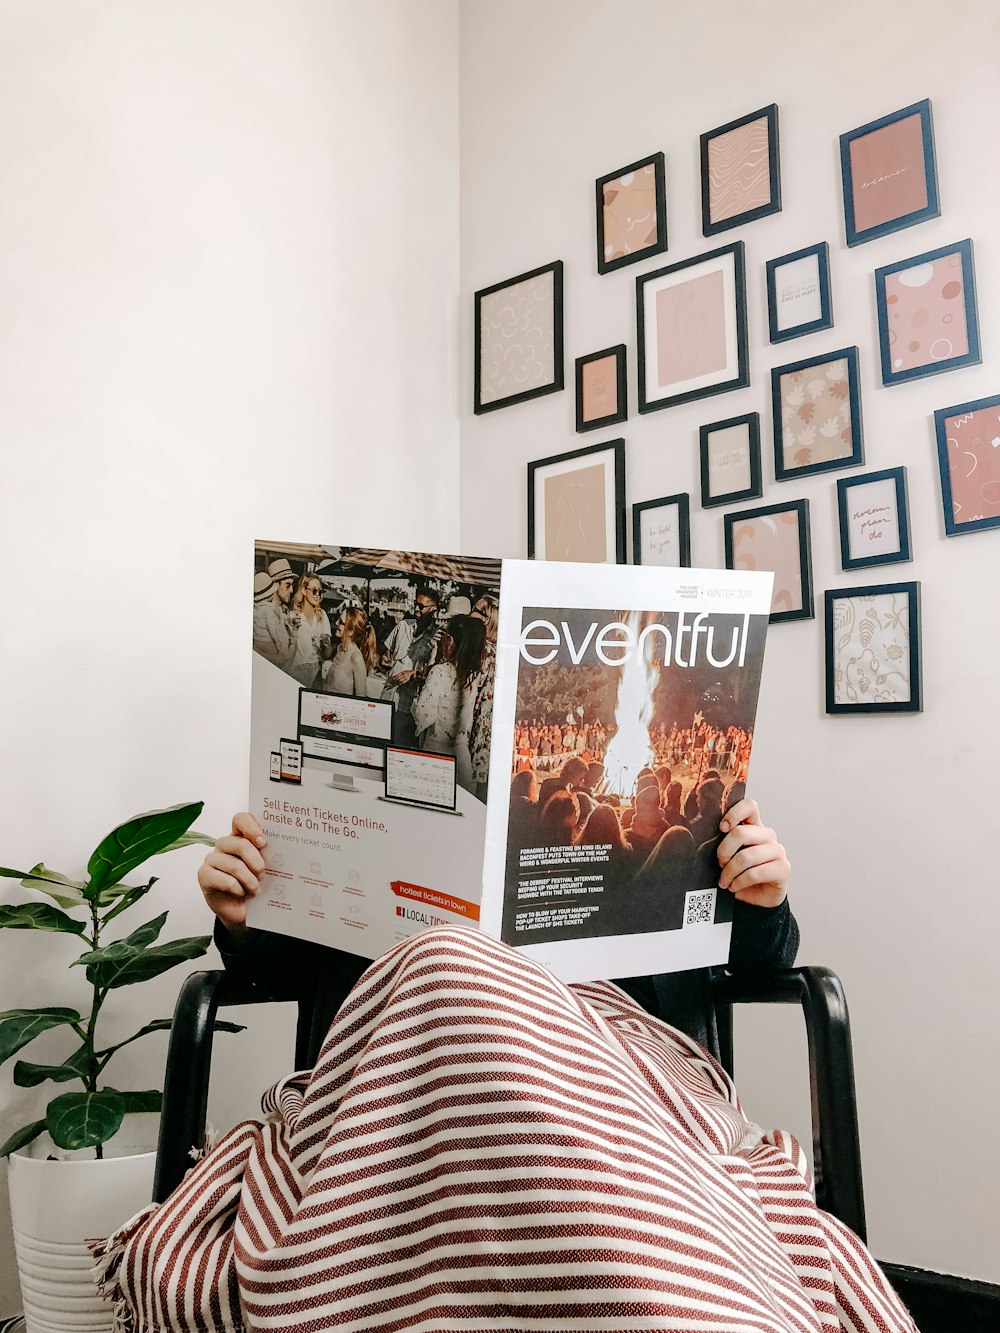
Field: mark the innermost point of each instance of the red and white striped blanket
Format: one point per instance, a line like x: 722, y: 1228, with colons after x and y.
x: 481, y: 1147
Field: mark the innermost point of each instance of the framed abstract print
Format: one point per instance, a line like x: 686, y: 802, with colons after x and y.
x: 874, y: 519
x: 730, y: 461
x: 873, y: 649
x: 889, y: 174
x: 576, y: 505
x: 740, y: 176
x: 632, y: 213
x: 661, y: 532
x: 692, y: 329
x: 798, y: 293
x: 519, y: 339
x: 776, y: 537
x: 927, y: 318
x: 600, y: 389
x: 817, y: 414
x: 968, y: 444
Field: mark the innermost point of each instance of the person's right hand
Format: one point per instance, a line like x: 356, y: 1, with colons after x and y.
x: 231, y: 871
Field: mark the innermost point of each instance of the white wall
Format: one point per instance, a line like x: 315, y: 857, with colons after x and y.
x: 888, y: 820
x: 228, y: 283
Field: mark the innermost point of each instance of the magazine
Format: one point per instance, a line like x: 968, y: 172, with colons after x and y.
x: 608, y: 709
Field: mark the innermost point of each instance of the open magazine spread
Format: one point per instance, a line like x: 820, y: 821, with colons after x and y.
x: 545, y: 754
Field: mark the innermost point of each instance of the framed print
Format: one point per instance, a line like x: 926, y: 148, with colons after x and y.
x: 968, y: 442
x: 740, y: 179
x: 692, y: 327
x: 576, y: 505
x: 817, y: 414
x: 874, y: 519
x: 776, y: 537
x: 730, y: 461
x: 519, y: 338
x: 600, y: 388
x: 661, y: 532
x: 632, y: 213
x: 798, y: 293
x: 889, y: 174
x: 927, y: 319
x: 873, y: 649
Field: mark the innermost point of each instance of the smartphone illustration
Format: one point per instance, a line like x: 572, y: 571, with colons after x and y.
x: 291, y: 760
x: 275, y: 765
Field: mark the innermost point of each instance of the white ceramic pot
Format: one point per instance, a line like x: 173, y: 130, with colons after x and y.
x: 54, y: 1208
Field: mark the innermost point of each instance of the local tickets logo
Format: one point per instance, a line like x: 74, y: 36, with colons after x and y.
x: 418, y: 917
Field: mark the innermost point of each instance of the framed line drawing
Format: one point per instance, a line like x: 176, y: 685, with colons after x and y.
x: 519, y: 339
x: 874, y: 519
x: 601, y: 398
x: 889, y: 174
x: 661, y: 532
x: 776, y: 537
x: 730, y: 461
x: 576, y: 505
x: 740, y: 176
x: 692, y: 329
x: 968, y: 447
x: 632, y: 213
x: 927, y: 317
x: 798, y: 293
x: 816, y: 409
x: 873, y: 649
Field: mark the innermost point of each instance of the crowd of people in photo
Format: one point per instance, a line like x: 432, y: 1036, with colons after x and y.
x: 545, y: 746
x: 435, y: 663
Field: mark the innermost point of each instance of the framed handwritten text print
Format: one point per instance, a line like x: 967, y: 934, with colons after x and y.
x: 661, y: 532
x: 874, y: 519
x: 889, y: 174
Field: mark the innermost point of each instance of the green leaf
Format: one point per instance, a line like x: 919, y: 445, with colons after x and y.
x: 142, y: 966
x: 84, y: 1119
x: 27, y: 1075
x: 66, y: 892
x: 126, y: 901
x: 189, y: 839
x: 151, y: 1100
x: 22, y: 1136
x: 19, y: 1026
x: 163, y: 1025
x: 133, y: 842
x: 125, y: 950
x: 38, y: 916
x: 115, y: 891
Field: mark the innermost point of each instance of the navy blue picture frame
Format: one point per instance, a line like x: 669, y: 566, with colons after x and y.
x: 784, y: 471
x: 972, y: 357
x: 659, y: 246
x: 621, y: 408
x: 821, y: 251
x: 915, y: 702
x: 807, y: 611
x: 559, y: 369
x: 756, y: 487
x: 952, y: 527
x: 615, y: 449
x: 932, y: 208
x: 844, y: 487
x: 682, y: 503
x: 710, y: 228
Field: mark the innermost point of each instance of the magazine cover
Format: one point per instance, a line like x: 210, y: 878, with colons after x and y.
x: 623, y: 723
x: 370, y: 740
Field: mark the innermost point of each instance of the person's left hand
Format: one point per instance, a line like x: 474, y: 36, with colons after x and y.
x: 754, y: 866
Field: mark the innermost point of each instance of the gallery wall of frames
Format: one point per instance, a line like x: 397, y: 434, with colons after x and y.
x: 690, y: 345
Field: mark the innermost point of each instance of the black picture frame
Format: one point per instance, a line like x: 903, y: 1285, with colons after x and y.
x: 656, y: 162
x: 788, y: 471
x: 890, y: 166
x: 518, y: 354
x: 620, y: 411
x: 850, y: 676
x: 755, y: 488
x: 710, y: 226
x: 821, y: 253
x: 730, y: 262
x: 800, y: 541
x: 681, y: 504
x: 868, y: 523
x: 892, y: 373
x: 614, y: 457
x: 969, y: 430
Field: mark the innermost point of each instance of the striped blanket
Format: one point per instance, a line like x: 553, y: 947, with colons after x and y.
x: 481, y: 1147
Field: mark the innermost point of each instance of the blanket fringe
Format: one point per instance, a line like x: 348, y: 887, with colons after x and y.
x: 108, y: 1254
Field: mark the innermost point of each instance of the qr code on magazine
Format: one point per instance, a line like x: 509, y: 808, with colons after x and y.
x: 699, y: 908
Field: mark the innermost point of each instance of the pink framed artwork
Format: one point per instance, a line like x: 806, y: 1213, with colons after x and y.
x: 776, y: 537
x: 927, y: 317
x: 968, y: 441
x: 889, y: 174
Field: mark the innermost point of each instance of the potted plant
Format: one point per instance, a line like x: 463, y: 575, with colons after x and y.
x: 45, y: 1190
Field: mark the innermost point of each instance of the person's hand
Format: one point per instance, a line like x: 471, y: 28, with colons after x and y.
x: 755, y: 868
x: 231, y: 871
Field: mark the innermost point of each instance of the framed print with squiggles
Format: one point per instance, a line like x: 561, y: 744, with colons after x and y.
x: 519, y: 338
x: 740, y: 176
x: 968, y: 441
x: 576, y: 505
x: 873, y: 649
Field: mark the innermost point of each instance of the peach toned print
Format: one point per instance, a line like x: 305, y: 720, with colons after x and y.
x: 739, y: 171
x: 816, y: 414
x: 691, y: 329
x: 926, y: 313
x: 887, y: 173
x: 630, y: 213
x: 771, y: 541
x: 974, y: 464
x: 575, y: 522
x: 600, y: 388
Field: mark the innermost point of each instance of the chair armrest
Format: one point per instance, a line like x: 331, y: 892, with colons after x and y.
x: 189, y: 1061
x: 836, y: 1144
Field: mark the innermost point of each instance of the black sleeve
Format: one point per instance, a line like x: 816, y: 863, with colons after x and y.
x: 261, y: 956
x: 763, y: 938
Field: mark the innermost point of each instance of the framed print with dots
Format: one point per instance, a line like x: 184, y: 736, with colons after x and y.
x: 927, y: 319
